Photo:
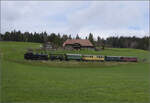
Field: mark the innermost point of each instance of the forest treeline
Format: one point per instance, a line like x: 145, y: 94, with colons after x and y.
x: 57, y: 39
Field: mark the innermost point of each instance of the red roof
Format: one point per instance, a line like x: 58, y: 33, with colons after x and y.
x: 82, y: 42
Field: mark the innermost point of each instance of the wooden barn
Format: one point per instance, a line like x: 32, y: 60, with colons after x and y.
x: 77, y: 44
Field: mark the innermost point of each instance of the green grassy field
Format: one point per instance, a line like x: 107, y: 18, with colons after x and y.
x: 73, y: 82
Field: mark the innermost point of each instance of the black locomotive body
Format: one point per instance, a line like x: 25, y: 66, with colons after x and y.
x: 57, y: 57
x: 32, y: 56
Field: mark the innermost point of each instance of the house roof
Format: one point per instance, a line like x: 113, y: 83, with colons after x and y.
x: 82, y: 42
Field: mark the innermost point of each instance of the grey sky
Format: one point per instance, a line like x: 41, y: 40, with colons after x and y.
x: 130, y: 18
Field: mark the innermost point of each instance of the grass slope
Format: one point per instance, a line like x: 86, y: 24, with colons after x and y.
x: 73, y: 82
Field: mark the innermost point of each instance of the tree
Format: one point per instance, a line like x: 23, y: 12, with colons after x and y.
x: 77, y: 36
x: 86, y: 37
x: 99, y: 41
x: 64, y: 37
x: 1, y: 37
x: 103, y: 44
x: 91, y: 38
x: 7, y: 36
x: 70, y: 36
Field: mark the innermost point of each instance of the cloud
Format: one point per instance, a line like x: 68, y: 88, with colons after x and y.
x: 110, y: 16
x: 35, y: 15
x: 77, y: 17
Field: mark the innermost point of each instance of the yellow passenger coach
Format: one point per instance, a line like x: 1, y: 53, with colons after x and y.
x: 93, y: 58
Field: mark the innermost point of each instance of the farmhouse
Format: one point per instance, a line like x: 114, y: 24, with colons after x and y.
x: 47, y: 46
x: 71, y: 44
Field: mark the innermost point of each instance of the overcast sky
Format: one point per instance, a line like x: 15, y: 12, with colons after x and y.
x: 103, y: 18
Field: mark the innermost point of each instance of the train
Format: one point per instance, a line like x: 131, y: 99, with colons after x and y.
x: 78, y: 57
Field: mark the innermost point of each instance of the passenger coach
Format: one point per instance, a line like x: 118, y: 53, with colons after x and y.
x: 113, y: 58
x: 93, y: 58
x: 77, y: 57
x: 129, y: 59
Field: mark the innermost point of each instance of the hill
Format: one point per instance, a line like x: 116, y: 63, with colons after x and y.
x: 46, y: 81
